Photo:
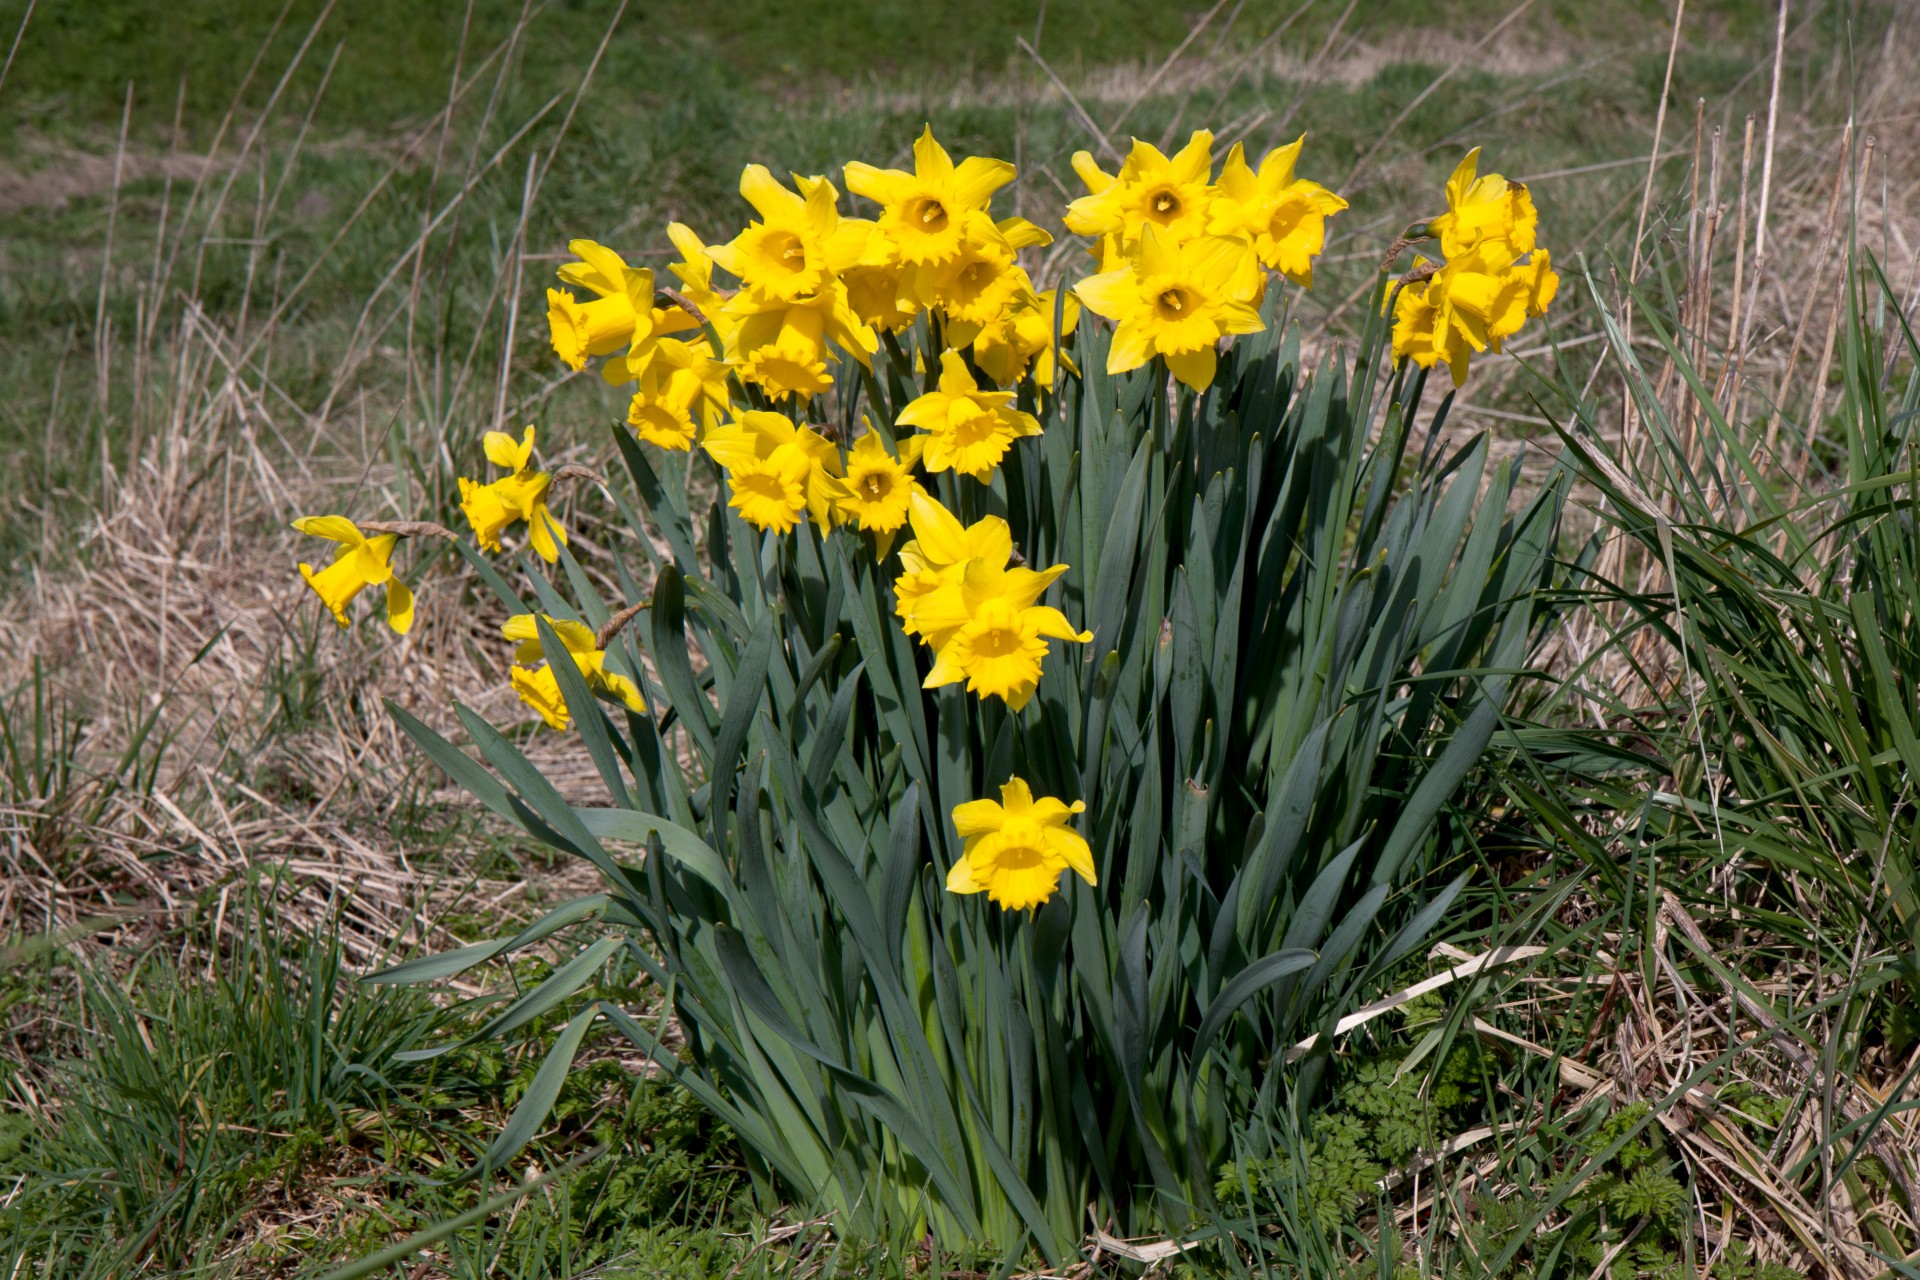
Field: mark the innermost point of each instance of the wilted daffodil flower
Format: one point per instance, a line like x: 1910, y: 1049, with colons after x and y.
x: 969, y: 430
x: 360, y: 562
x: 987, y: 630
x: 925, y: 213
x: 620, y: 314
x: 520, y: 495
x: 1285, y: 217
x: 1015, y: 849
x: 776, y: 470
x: 539, y: 688
x: 1150, y: 190
x: 1177, y: 299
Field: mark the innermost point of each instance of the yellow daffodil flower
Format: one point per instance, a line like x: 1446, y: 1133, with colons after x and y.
x: 682, y: 391
x: 880, y: 294
x: 924, y: 213
x: 1493, y: 297
x: 1176, y: 299
x: 782, y: 345
x: 1016, y: 849
x: 1473, y: 304
x: 695, y: 271
x: 799, y: 243
x: 969, y: 430
x: 1423, y: 330
x: 520, y: 495
x: 776, y: 470
x: 1022, y: 339
x: 360, y: 562
x: 939, y: 553
x: 1484, y: 208
x: 987, y: 630
x: 539, y: 688
x: 878, y: 487
x: 983, y: 279
x: 1285, y: 217
x: 1151, y: 190
x: 620, y: 314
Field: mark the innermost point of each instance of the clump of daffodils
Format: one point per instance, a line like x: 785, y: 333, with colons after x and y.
x: 729, y: 352
x: 1494, y: 277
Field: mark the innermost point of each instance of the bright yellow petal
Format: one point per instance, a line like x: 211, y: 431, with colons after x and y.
x: 332, y: 528
x: 399, y: 606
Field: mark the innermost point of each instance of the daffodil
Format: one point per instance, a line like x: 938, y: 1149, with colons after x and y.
x: 798, y: 244
x: 1472, y: 304
x: 1150, y: 190
x: 986, y: 630
x: 539, y: 688
x: 977, y: 285
x: 1484, y: 208
x: 940, y: 552
x: 782, y: 344
x: 359, y: 563
x: 1016, y: 849
x: 519, y: 495
x: 620, y: 314
x: 879, y: 487
x: 1176, y: 299
x: 1492, y: 296
x: 776, y: 470
x: 1285, y: 217
x: 1022, y: 339
x: 682, y: 391
x: 880, y: 294
x: 969, y: 430
x: 1423, y: 328
x: 924, y: 213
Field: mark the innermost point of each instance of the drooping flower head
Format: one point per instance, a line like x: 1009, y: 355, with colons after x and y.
x: 968, y: 430
x: 1177, y: 299
x: 1150, y: 190
x: 1015, y: 849
x: 539, y: 688
x: 620, y: 313
x: 777, y: 470
x: 1285, y: 217
x: 924, y: 213
x: 521, y: 494
x: 359, y: 562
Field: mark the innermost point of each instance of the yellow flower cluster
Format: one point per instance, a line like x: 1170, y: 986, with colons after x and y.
x: 959, y: 595
x: 1495, y: 277
x: 1183, y: 257
x: 730, y: 359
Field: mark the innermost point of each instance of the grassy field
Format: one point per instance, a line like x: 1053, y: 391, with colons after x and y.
x: 256, y: 262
